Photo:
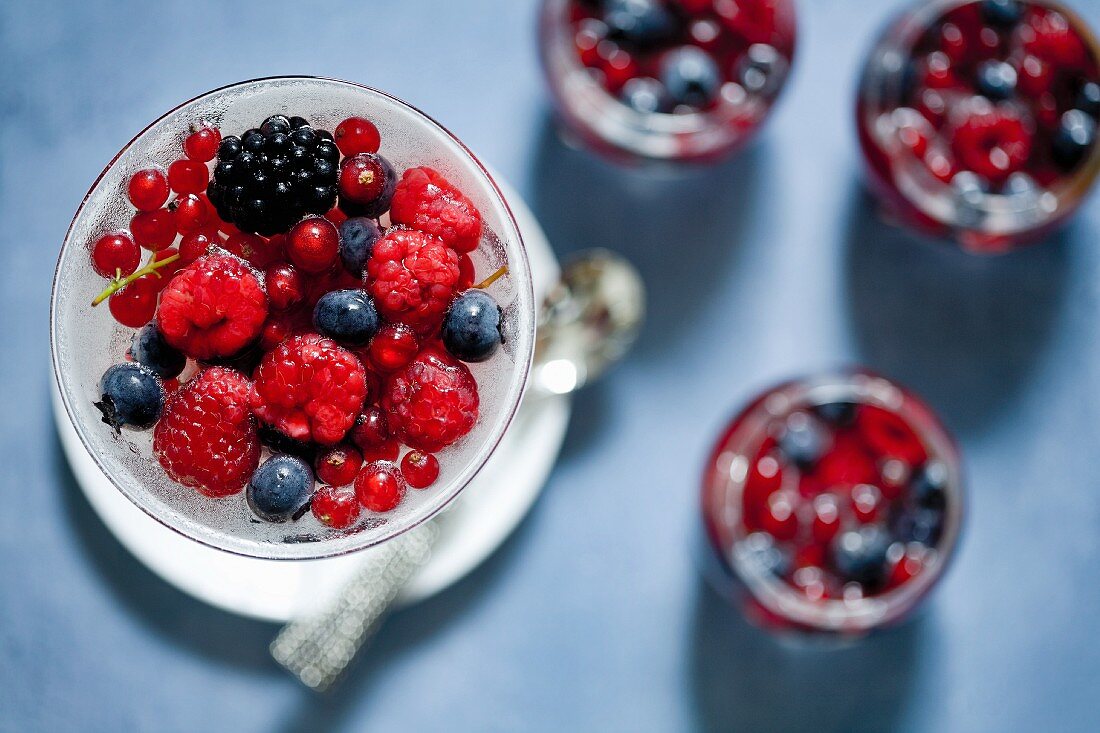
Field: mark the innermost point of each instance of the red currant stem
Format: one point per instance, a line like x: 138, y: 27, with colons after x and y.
x: 120, y: 282
x: 492, y: 278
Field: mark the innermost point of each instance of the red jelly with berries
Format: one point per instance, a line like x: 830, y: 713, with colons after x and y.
x: 831, y: 504
x: 978, y: 119
x: 670, y: 80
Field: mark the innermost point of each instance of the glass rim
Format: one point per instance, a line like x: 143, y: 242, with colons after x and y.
x: 523, y: 365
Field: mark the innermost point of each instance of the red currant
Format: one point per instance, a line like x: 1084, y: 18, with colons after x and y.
x: 194, y: 246
x: 889, y: 435
x: 589, y: 34
x: 136, y: 304
x: 380, y: 487
x: 115, y: 255
x: 285, y: 286
x: 387, y: 451
x: 253, y: 248
x: 202, y: 144
x: 618, y: 65
x: 339, y: 466
x: 168, y: 270
x: 148, y: 189
x: 778, y: 518
x: 191, y: 213
x: 336, y: 216
x: 336, y: 507
x: 188, y: 176
x: 420, y: 469
x: 153, y: 229
x: 866, y: 500
x: 370, y: 430
x: 312, y: 245
x: 393, y: 347
x: 362, y: 178
x: 357, y: 135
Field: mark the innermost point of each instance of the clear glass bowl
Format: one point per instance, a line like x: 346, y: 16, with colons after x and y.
x: 985, y: 221
x: 86, y: 341
x: 734, y: 555
x: 611, y: 128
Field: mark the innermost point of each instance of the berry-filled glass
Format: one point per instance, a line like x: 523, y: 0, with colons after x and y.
x: 978, y: 119
x: 292, y: 318
x: 831, y: 504
x: 668, y: 80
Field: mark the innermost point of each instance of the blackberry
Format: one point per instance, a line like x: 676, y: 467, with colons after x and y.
x: 271, y: 176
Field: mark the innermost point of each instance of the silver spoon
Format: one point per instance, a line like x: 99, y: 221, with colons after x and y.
x: 588, y: 321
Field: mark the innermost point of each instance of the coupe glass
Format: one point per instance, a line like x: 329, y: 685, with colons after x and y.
x: 86, y: 341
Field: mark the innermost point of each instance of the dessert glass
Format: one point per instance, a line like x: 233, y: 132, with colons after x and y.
x: 909, y: 86
x: 781, y: 571
x: 86, y: 341
x: 608, y: 126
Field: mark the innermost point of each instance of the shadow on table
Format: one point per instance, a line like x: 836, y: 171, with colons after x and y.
x: 680, y: 229
x: 964, y: 331
x: 402, y: 634
x: 172, y: 614
x: 743, y: 679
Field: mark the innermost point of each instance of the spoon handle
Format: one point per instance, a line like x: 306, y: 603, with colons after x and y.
x: 317, y: 649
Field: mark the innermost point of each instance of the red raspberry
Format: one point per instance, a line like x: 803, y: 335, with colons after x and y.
x: 213, y: 308
x: 992, y: 142
x: 413, y: 278
x: 425, y: 200
x: 432, y: 402
x: 310, y: 389
x: 420, y: 469
x: 339, y: 466
x: 206, y: 437
x: 336, y: 507
x: 380, y: 487
x: 889, y: 435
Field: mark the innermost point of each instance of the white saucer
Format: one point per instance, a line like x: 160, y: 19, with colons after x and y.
x: 477, y: 522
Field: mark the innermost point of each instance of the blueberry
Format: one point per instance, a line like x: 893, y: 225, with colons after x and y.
x: 761, y: 70
x: 690, y: 76
x: 149, y: 349
x: 1075, y: 137
x: 1001, y: 13
x: 639, y: 21
x: 911, y: 524
x: 645, y: 95
x: 357, y: 238
x: 996, y: 80
x: 280, y: 488
x: 131, y: 396
x: 804, y: 439
x: 347, y: 316
x: 841, y: 414
x: 471, y: 329
x: 928, y: 486
x: 1088, y: 99
x: 860, y: 555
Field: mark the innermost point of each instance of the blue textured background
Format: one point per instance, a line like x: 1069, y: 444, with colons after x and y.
x: 592, y: 617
